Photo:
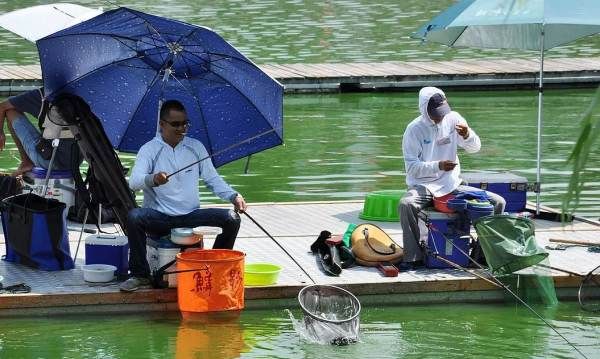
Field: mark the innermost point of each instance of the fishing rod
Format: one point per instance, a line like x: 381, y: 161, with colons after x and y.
x: 223, y: 150
x: 430, y: 226
x: 280, y: 246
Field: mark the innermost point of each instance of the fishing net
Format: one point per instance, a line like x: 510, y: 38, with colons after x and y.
x: 509, y: 245
x: 589, y: 291
x: 331, y: 314
x: 535, y: 285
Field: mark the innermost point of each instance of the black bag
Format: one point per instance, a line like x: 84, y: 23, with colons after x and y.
x: 9, y: 186
x: 44, y: 148
x: 477, y: 253
x: 90, y: 194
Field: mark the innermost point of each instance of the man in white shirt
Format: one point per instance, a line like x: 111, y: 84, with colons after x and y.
x: 173, y: 202
x: 430, y: 148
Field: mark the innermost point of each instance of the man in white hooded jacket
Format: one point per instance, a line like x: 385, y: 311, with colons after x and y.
x: 430, y: 148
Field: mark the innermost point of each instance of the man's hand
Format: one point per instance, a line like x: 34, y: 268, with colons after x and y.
x: 462, y: 130
x: 160, y: 178
x: 239, y: 203
x: 447, y: 165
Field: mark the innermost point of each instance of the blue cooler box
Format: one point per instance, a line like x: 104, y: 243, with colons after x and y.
x: 107, y: 249
x: 452, y: 227
x: 511, y: 187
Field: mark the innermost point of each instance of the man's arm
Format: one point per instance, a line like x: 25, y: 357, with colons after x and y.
x: 467, y: 138
x: 415, y: 168
x: 217, y: 184
x: 140, y: 174
x: 470, y: 141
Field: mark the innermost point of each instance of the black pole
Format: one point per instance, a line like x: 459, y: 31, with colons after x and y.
x: 280, y: 246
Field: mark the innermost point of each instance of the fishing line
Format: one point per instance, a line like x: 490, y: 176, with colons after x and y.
x: 280, y: 246
x: 223, y: 150
x: 499, y: 283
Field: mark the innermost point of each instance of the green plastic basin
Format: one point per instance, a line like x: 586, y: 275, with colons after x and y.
x: 382, y: 206
x: 261, y: 274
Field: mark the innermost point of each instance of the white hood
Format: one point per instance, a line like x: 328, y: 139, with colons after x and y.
x: 424, y: 96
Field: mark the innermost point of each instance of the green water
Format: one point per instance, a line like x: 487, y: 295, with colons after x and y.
x: 458, y: 331
x: 340, y: 147
x: 304, y: 30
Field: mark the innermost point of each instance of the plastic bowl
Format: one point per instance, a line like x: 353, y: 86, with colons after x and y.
x: 382, y: 206
x: 98, y: 273
x: 261, y: 274
x: 184, y: 236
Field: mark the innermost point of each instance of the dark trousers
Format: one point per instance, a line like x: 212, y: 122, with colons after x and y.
x: 142, y: 221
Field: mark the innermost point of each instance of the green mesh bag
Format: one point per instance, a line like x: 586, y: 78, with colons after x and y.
x: 508, y: 243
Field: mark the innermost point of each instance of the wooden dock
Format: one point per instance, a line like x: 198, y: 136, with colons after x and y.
x: 295, y: 226
x: 392, y: 75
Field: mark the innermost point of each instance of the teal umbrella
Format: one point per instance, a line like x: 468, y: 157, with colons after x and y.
x: 515, y: 24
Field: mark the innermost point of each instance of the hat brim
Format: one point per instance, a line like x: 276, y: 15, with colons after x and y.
x: 440, y: 111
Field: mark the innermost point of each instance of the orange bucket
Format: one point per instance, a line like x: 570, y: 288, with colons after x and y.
x: 213, y: 281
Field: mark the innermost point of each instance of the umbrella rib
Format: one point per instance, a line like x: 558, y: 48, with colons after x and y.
x: 243, y: 95
x: 93, y: 72
x: 197, y: 63
x: 456, y: 38
x: 199, y: 107
x: 154, y: 40
x: 224, y: 55
x: 148, y: 23
x: 188, y: 66
x: 115, y: 36
x: 156, y: 76
x: 212, y: 62
x: 136, y: 67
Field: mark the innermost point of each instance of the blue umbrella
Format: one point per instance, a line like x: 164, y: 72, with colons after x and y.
x: 125, y: 63
x: 515, y: 24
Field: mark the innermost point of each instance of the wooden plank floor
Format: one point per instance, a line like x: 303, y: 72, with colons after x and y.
x: 391, y: 75
x: 294, y: 226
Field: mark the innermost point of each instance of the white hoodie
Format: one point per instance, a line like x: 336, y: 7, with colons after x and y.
x: 425, y: 143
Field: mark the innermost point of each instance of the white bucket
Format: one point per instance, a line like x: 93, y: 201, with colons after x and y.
x: 158, y: 257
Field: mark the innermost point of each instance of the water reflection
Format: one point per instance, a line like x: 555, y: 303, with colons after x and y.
x: 210, y: 335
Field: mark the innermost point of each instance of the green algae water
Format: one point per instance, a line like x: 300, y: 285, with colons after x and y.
x: 437, y: 331
x: 342, y: 146
x: 304, y: 31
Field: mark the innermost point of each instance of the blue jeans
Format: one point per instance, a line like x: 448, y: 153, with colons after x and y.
x: 29, y: 137
x: 141, y: 221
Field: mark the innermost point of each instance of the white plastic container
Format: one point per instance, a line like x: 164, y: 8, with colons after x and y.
x: 98, y: 273
x: 61, y: 185
x: 158, y: 257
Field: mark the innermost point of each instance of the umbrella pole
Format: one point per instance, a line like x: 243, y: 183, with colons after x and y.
x: 538, y: 185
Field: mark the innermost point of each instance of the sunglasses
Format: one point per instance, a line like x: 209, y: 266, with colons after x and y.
x: 176, y: 124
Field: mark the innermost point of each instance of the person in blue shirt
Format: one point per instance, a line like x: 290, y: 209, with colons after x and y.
x: 28, y: 138
x: 173, y: 202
